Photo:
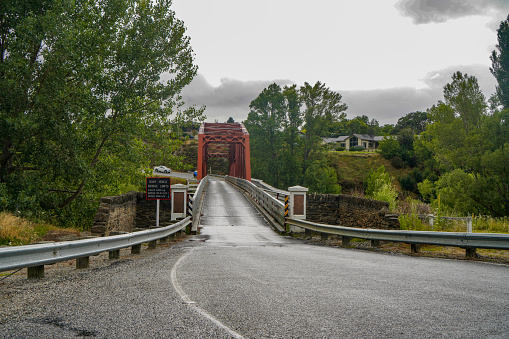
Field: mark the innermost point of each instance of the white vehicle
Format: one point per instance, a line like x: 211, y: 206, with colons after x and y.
x: 162, y: 169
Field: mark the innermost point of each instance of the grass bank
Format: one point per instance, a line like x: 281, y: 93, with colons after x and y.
x: 352, y: 168
x: 16, y: 231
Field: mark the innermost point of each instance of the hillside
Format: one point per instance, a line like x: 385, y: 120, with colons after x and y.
x: 352, y: 168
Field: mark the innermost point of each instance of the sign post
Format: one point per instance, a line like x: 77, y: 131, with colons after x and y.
x: 158, y: 189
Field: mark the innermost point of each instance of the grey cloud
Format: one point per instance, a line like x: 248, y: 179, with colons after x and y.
x: 232, y: 97
x: 426, y: 11
x: 388, y: 105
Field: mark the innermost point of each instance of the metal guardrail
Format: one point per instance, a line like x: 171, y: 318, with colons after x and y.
x: 275, y: 192
x: 12, y: 258
x: 463, y: 240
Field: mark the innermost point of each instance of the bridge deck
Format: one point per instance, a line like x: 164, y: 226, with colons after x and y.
x: 230, y: 220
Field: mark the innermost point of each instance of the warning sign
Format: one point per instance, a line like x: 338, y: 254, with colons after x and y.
x: 158, y: 189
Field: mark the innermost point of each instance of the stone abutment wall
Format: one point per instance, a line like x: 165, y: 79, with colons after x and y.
x: 128, y: 211
x: 350, y: 211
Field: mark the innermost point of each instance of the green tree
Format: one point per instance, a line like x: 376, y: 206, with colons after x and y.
x: 500, y: 63
x: 265, y: 123
x: 321, y: 178
x: 454, y: 134
x: 291, y: 156
x: 323, y: 107
x: 465, y: 97
x: 416, y: 121
x: 390, y: 147
x: 84, y: 90
x: 455, y: 189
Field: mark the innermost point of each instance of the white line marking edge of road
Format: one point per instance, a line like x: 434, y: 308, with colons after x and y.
x: 191, y: 303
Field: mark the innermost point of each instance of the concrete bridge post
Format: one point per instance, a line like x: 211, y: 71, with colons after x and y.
x: 297, y: 205
x: 178, y: 201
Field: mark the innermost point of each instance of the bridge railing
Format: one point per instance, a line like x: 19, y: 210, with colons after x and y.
x: 275, y: 192
x: 274, y: 207
x: 196, y: 202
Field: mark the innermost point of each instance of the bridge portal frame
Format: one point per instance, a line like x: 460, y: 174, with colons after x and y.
x: 215, y: 138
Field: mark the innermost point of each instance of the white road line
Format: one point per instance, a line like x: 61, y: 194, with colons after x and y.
x: 191, y: 303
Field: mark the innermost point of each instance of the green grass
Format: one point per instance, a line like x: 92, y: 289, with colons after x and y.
x: 480, y: 224
x: 487, y: 224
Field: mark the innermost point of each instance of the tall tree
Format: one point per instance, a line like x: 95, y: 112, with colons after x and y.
x: 265, y: 123
x: 323, y: 107
x: 500, y: 62
x: 82, y: 84
x: 291, y: 170
x: 465, y: 96
x: 454, y: 135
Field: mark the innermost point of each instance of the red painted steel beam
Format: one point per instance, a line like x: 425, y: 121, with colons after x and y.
x: 213, y: 138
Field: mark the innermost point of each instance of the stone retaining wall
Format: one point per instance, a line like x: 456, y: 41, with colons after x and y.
x: 128, y: 211
x: 350, y: 211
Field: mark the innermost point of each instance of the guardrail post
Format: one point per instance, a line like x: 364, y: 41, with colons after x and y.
x: 415, y: 248
x: 325, y: 236
x: 136, y: 249
x: 115, y: 254
x: 35, y: 272
x: 152, y: 244
x: 345, y: 241
x: 471, y: 252
x: 297, y: 205
x: 375, y: 243
x: 82, y: 263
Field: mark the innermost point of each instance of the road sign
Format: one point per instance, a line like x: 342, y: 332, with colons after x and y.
x: 158, y: 189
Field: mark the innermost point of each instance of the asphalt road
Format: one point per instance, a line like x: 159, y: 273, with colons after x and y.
x: 239, y: 279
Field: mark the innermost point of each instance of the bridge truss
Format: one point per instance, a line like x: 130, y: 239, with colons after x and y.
x: 228, y: 140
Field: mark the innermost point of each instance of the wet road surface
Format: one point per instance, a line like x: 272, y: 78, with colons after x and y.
x: 237, y: 278
x: 258, y: 284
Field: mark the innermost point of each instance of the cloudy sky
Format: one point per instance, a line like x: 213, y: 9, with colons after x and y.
x: 386, y: 58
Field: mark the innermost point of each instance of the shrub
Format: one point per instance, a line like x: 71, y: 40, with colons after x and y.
x: 407, y: 183
x: 412, y: 222
x: 339, y: 148
x: 390, y: 148
x: 426, y: 190
x: 320, y: 178
x: 379, y: 187
x: 357, y: 149
x: 397, y: 162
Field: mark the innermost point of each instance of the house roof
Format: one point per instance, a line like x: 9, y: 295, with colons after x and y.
x: 343, y: 138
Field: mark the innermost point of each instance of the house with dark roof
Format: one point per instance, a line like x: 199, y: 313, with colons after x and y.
x: 348, y: 141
